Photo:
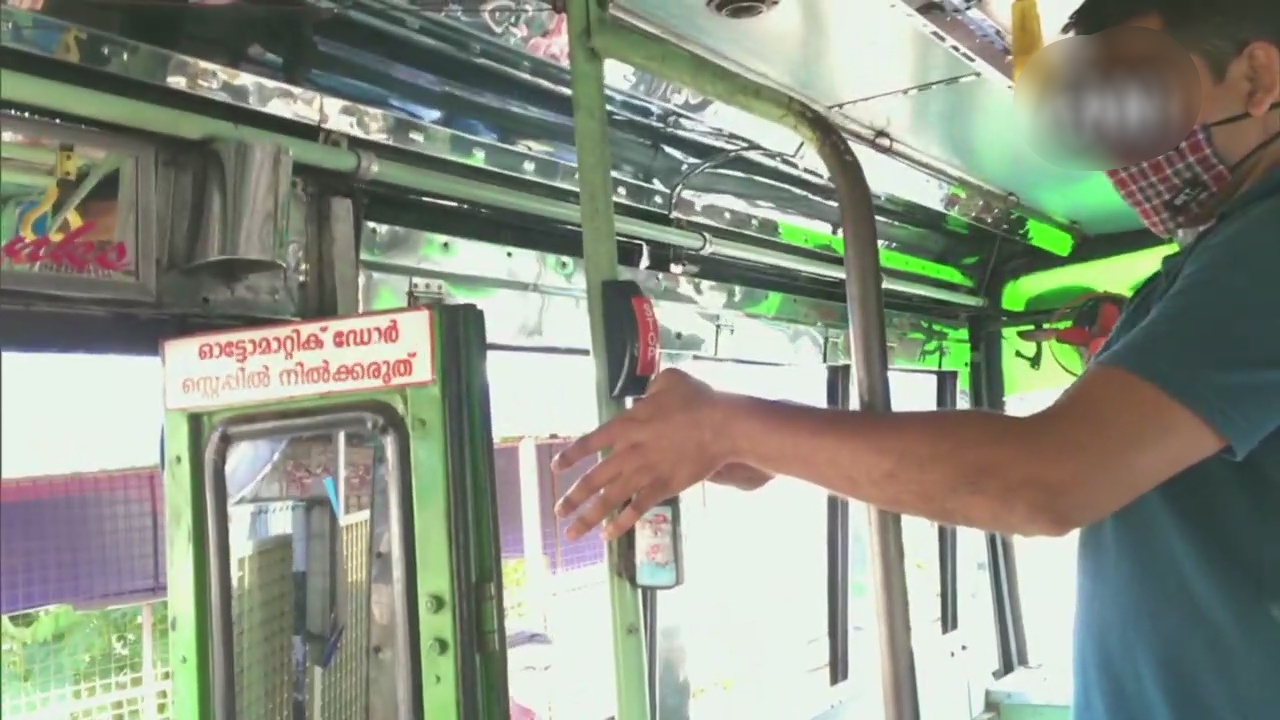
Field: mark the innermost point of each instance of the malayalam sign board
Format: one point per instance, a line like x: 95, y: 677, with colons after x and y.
x: 297, y: 360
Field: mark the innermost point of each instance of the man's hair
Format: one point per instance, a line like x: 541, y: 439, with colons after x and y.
x: 1217, y: 32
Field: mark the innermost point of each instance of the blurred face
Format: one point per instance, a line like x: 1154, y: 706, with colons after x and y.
x: 1250, y: 88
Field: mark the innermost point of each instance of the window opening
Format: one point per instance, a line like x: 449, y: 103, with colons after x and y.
x: 559, y: 651
x: 84, y: 631
x: 748, y: 556
x: 952, y: 670
x: 1046, y: 576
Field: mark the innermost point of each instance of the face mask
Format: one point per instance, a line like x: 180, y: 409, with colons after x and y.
x: 1181, y: 183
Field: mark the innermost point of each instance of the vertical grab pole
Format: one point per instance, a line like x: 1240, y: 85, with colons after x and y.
x: 600, y: 256
x: 870, y: 384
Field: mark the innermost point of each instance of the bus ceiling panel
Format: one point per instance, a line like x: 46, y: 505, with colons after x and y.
x: 972, y: 126
x: 932, y: 84
x: 833, y: 51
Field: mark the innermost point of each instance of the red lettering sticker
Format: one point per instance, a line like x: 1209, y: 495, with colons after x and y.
x: 647, y: 336
x: 73, y: 252
x: 305, y: 359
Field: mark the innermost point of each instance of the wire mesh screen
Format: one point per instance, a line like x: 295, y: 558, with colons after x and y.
x: 344, y: 684
x: 263, y: 608
x: 86, y: 665
x: 262, y: 618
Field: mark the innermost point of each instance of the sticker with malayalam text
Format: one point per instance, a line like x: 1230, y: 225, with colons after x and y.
x: 304, y: 359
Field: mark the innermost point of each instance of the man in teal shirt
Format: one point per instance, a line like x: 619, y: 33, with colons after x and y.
x: 1178, y: 500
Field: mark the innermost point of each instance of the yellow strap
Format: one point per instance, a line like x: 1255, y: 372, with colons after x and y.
x: 1028, y: 36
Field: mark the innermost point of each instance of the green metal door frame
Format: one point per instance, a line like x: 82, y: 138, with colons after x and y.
x: 198, y: 588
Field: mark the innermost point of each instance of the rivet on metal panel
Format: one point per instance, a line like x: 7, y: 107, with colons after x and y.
x: 434, y: 603
x: 438, y: 647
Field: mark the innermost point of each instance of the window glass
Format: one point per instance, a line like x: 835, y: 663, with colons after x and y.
x: 1046, y: 574
x: 746, y: 635
x: 951, y: 671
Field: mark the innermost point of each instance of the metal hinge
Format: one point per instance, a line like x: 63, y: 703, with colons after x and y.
x: 425, y: 292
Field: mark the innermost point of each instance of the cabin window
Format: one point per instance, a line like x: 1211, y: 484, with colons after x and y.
x: 1046, y: 574
x: 82, y: 536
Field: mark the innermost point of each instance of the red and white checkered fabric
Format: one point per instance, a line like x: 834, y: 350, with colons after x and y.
x: 1165, y: 189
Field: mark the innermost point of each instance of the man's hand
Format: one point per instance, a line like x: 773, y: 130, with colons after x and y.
x: 671, y: 440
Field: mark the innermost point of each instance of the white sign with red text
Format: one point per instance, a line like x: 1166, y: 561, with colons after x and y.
x: 297, y: 360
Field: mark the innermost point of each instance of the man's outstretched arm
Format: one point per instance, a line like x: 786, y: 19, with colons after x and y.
x: 1199, y: 374
x: 1112, y: 438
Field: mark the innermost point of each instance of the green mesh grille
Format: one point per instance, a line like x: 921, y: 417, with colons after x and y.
x: 345, y: 687
x: 262, y: 617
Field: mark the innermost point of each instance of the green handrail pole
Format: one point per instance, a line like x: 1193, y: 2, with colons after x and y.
x: 600, y: 256
x: 648, y: 52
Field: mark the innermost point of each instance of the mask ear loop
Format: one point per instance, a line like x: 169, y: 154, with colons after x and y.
x: 1257, y: 150
x: 1180, y: 204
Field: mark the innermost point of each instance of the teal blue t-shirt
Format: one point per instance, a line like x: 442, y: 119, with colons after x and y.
x: 1178, y: 614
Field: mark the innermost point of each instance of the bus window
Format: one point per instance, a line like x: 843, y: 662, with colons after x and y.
x: 746, y: 635
x: 81, y: 537
x: 555, y: 592
x: 1046, y: 575
x: 952, y: 671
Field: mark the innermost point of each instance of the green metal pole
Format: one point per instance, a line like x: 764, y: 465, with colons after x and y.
x: 600, y: 256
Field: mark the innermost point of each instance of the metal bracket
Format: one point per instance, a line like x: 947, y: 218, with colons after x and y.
x: 426, y: 292
x: 366, y: 161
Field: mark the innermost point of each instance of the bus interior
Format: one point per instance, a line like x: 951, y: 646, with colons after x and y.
x: 381, y: 243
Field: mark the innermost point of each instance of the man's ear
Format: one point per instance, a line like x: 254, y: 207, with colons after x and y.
x: 1262, y: 71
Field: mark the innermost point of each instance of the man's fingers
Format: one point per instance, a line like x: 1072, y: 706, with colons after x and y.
x: 622, y: 482
x: 642, y: 503
x: 593, y: 443
x: 591, y: 483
